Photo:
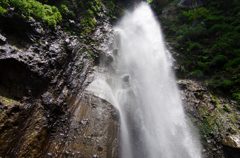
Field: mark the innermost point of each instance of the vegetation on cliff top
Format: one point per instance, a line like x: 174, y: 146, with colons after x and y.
x: 52, y: 12
x: 76, y: 17
x: 47, y: 14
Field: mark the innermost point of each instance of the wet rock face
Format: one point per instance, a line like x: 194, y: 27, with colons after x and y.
x: 215, y: 117
x: 93, y: 130
x: 45, y: 111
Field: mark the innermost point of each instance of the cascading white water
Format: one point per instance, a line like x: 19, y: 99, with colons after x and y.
x: 143, y: 88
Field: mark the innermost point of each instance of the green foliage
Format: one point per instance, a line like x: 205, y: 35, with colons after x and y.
x: 236, y: 78
x: 208, y: 41
x: 191, y: 33
x: 227, y: 42
x: 2, y: 10
x: 235, y: 10
x: 203, y: 66
x: 90, y: 13
x: 237, y: 28
x: 182, y: 69
x: 236, y: 52
x: 93, y: 55
x: 196, y: 73
x: 232, y: 63
x: 64, y: 9
x: 196, y: 14
x: 236, y: 96
x: 227, y: 108
x: 214, y: 19
x: 220, y: 28
x: 3, y: 5
x: 88, y: 23
x: 149, y: 1
x: 45, y: 13
x: 219, y: 59
x: 194, y: 46
x: 90, y: 10
x: 205, y: 127
x: 226, y: 84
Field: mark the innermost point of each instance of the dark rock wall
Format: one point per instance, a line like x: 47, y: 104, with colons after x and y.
x: 45, y: 111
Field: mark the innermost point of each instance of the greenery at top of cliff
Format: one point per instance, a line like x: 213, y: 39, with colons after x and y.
x: 87, y: 12
x: 76, y: 17
x: 206, y: 40
x: 47, y: 14
x: 52, y: 12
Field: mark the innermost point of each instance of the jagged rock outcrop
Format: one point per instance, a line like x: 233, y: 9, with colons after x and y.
x: 45, y: 110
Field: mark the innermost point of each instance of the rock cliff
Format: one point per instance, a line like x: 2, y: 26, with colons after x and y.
x: 45, y: 110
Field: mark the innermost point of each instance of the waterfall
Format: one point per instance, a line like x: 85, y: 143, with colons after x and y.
x: 143, y: 88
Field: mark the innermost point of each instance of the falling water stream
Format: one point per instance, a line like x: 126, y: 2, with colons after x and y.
x: 144, y: 90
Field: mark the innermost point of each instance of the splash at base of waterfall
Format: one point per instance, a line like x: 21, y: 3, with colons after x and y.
x: 143, y: 88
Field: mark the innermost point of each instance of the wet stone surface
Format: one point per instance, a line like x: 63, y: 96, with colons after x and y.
x: 217, y: 118
x: 45, y: 111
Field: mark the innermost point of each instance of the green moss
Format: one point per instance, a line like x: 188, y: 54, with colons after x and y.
x: 203, y: 111
x: 7, y: 99
x: 206, y: 127
x: 232, y: 118
x: 233, y: 129
x: 227, y: 108
x: 219, y: 107
x: 92, y: 54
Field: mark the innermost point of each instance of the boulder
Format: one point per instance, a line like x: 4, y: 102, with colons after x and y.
x: 232, y: 146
